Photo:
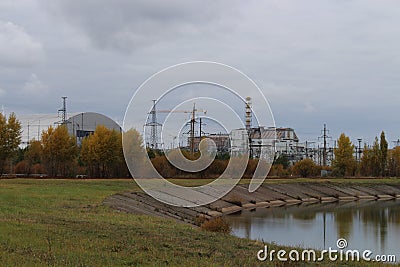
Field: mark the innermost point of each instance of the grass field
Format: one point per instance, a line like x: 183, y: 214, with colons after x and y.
x: 63, y: 223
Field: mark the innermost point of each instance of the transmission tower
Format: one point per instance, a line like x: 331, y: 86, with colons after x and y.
x: 324, y: 137
x: 154, y: 125
x: 192, y: 126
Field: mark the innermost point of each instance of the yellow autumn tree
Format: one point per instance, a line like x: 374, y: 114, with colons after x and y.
x: 102, y: 154
x: 59, y: 151
x: 344, y: 162
x: 371, y: 161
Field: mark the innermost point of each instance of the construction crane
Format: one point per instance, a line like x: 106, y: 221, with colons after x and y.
x: 154, y: 124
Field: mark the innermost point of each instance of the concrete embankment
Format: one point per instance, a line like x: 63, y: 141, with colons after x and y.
x: 268, y: 195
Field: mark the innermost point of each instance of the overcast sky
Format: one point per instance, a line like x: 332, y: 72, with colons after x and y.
x: 335, y: 62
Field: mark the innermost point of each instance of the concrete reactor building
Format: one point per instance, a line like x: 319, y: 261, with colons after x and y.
x: 79, y: 125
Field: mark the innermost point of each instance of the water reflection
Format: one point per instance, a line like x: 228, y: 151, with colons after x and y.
x: 373, y: 225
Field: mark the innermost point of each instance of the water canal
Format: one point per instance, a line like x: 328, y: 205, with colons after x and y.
x: 373, y: 225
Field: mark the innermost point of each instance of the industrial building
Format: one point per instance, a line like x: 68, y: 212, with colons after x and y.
x: 79, y: 124
x: 222, y: 141
x: 264, y: 142
x: 258, y: 142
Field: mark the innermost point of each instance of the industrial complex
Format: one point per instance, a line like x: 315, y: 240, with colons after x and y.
x: 259, y: 142
x: 79, y: 124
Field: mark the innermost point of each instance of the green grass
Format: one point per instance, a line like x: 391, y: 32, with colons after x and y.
x: 63, y: 223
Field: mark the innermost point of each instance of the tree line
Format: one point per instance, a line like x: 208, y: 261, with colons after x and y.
x: 376, y: 161
x: 57, y: 154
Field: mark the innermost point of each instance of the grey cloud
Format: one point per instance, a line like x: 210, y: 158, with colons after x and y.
x: 34, y: 86
x: 317, y: 61
x: 17, y: 47
x: 128, y: 25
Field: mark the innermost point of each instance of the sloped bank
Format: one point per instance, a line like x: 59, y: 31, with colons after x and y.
x: 268, y: 195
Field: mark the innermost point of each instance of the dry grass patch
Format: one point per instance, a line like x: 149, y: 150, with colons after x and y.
x: 218, y: 224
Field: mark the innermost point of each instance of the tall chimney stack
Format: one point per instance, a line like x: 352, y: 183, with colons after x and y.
x: 248, y: 113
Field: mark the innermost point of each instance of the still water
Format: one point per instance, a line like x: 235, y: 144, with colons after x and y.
x: 373, y: 225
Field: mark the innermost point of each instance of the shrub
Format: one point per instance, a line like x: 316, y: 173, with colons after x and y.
x: 38, y: 169
x: 216, y: 225
x: 305, y: 168
x: 22, y: 167
x: 200, y: 219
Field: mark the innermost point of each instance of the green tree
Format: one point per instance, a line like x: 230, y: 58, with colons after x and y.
x: 10, y: 138
x: 344, y: 162
x: 383, y: 146
x: 282, y: 160
x: 151, y: 153
x: 59, y: 151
